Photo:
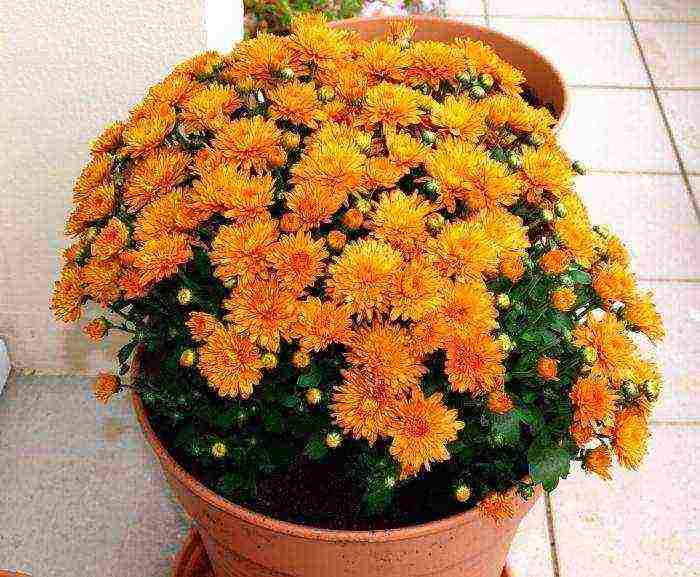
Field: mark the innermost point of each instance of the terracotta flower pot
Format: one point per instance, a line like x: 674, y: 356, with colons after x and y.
x: 542, y: 77
x: 241, y: 543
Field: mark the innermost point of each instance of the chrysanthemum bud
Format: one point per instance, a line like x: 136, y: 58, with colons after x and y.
x: 184, y: 296
x: 567, y: 280
x: 652, y: 389
x: 435, y: 221
x: 425, y: 89
x: 560, y: 209
x: 535, y: 139
x: 514, y: 160
x: 547, y: 215
x: 90, y: 234
x: 353, y: 219
x: 590, y: 355
x: 301, y: 359
x: 464, y: 77
x: 405, y: 43
x: 96, y: 329
x: 219, y: 450
x: 462, y: 493
x: 334, y: 440
x: 336, y: 239
x: 505, y: 342
x: 231, y: 283
x: 313, y: 396
x: 503, y: 301
x: 390, y: 481
x: 326, y: 94
x: 428, y: 137
x: 287, y: 74
x: 268, y: 361
x: 486, y: 80
x: 260, y: 97
x: 432, y: 187
x: 187, y: 358
x: 630, y: 389
x: 290, y: 140
x: 579, y: 167
x: 477, y: 92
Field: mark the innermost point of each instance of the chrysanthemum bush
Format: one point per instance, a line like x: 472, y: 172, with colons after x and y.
x: 326, y: 246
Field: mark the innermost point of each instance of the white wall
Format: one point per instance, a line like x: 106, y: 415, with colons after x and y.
x: 67, y: 68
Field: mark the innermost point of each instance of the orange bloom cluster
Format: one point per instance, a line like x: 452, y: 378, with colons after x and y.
x: 284, y: 166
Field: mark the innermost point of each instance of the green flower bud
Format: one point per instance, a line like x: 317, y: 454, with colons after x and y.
x: 579, y: 167
x: 503, y: 301
x: 514, y: 160
x: 652, y: 389
x: 560, y: 209
x: 590, y: 355
x: 287, y: 74
x: 477, y: 92
x: 505, y: 342
x: 547, y: 215
x: 486, y: 80
x: 432, y: 187
x: 428, y: 137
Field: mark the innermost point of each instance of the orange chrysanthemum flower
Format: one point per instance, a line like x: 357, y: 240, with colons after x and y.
x: 320, y: 324
x: 96, y: 329
x: 111, y: 239
x: 313, y: 205
x: 105, y: 387
x: 100, y: 278
x: 148, y: 130
x: 575, y: 231
x: 630, y: 437
x: 380, y: 172
x: 162, y: 257
x: 429, y: 333
x: 462, y: 248
x: 598, y: 461
x: 364, y: 404
x: 474, y: 364
x: 260, y: 59
x: 547, y: 368
x: 298, y: 260
x: 400, y: 220
x: 581, y: 434
x: 383, y: 61
x: 265, y: 310
x: 296, y: 103
x: 244, y: 251
x: 503, y: 229
x: 468, y: 174
x: 230, y: 362
x: 613, y: 283
x: 593, y: 400
x: 97, y: 173
x: 564, y: 299
x: 336, y: 168
x: 200, y: 66
x: 405, y: 152
x: 175, y: 89
x: 641, y: 314
x: 497, y: 507
x: 363, y: 275
x: 209, y: 108
x: 391, y: 105
x: 314, y: 43
x: 68, y: 295
x: 433, y: 62
x: 546, y: 168
x: 512, y: 266
x: 251, y: 143
x: 555, y: 261
x: 468, y: 308
x: 417, y: 291
x: 613, y: 347
x: 96, y: 204
x: 156, y: 175
x: 499, y: 402
x: 110, y: 139
x: 460, y: 117
x: 615, y: 251
x: 385, y: 350
x: 202, y: 325
x: 484, y: 60
x: 421, y: 431
x: 159, y: 218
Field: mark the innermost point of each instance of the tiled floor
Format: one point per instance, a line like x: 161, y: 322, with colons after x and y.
x: 84, y: 492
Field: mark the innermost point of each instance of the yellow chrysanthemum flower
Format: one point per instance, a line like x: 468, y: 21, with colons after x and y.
x: 383, y: 61
x: 460, y: 117
x: 463, y: 249
x: 641, y: 313
x: 433, y: 62
x: 209, y: 108
x: 400, y: 220
x: 391, y: 105
x: 68, y: 295
x: 296, y: 103
x: 630, y: 437
x: 417, y: 291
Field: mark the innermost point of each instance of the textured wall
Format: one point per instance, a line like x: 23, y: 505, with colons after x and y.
x: 67, y: 68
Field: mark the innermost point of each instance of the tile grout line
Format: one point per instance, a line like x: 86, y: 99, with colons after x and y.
x: 664, y: 117
x: 592, y: 18
x: 554, y: 554
x: 487, y: 17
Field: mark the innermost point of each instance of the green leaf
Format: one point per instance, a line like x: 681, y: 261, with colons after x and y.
x: 580, y: 276
x: 548, y: 462
x: 507, y: 427
x: 310, y: 379
x: 557, y: 321
x: 125, y: 352
x: 316, y: 448
x: 272, y: 421
x: 291, y: 401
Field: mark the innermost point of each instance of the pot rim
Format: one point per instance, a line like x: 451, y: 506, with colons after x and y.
x: 438, y: 19
x: 301, y: 531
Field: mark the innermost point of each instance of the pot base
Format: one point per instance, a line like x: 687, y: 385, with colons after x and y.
x: 192, y: 561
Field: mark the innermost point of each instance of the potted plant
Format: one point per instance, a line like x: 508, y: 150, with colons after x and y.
x: 370, y: 314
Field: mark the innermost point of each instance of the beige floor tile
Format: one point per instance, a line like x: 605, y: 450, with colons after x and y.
x: 478, y: 20
x: 679, y: 353
x: 530, y: 553
x: 652, y: 214
x: 664, y: 9
x: 609, y: 129
x: 584, y: 8
x: 586, y: 52
x: 672, y: 51
x: 683, y: 111
x: 81, y: 493
x: 644, y: 523
x: 464, y: 7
